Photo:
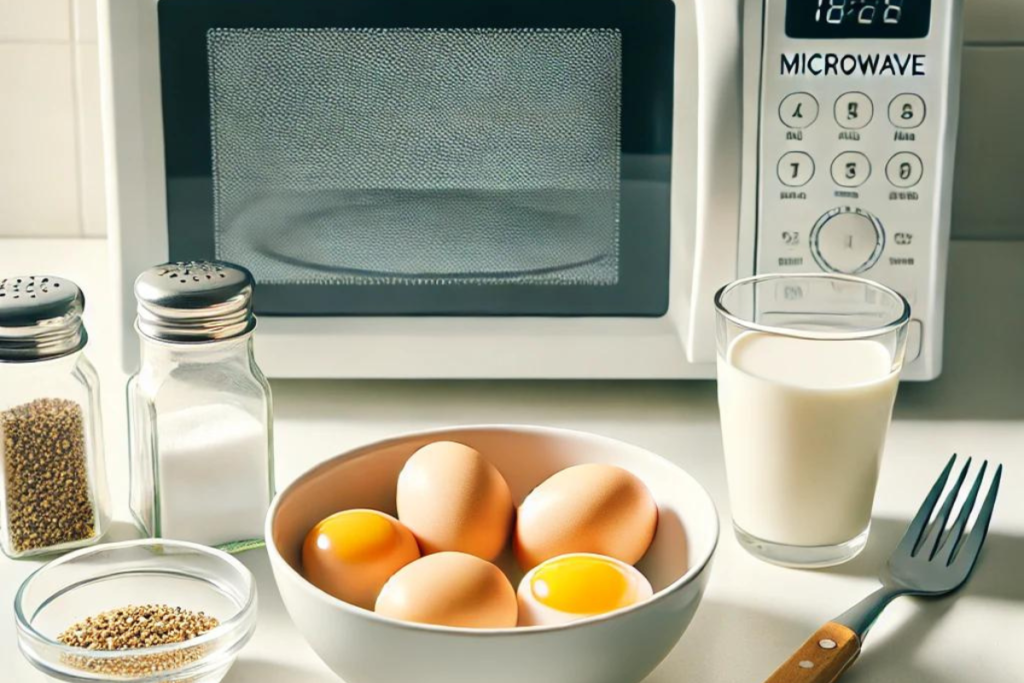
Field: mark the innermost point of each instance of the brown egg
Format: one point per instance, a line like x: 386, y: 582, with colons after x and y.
x: 600, y: 509
x: 352, y: 554
x: 451, y: 498
x: 450, y: 589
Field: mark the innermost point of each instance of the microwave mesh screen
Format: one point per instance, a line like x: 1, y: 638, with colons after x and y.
x: 417, y: 156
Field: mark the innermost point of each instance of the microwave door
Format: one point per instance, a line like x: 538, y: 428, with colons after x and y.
x: 441, y: 188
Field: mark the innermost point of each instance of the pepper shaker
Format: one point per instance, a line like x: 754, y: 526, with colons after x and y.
x: 53, y: 486
x: 200, y: 415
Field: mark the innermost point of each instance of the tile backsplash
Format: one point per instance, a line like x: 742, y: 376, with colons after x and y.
x: 51, y: 158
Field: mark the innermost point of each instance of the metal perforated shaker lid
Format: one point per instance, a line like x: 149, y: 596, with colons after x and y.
x: 40, y: 317
x: 195, y: 301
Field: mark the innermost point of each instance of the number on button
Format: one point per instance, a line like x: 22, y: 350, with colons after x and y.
x: 906, y: 111
x: 854, y: 110
x: 795, y: 169
x: 851, y: 169
x: 798, y: 110
x: 904, y: 169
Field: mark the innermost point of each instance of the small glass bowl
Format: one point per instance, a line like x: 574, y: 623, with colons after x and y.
x: 140, y: 572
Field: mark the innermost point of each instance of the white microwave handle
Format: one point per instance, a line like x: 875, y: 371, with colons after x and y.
x: 706, y: 166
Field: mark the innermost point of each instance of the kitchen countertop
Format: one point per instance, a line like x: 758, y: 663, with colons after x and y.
x: 753, y: 615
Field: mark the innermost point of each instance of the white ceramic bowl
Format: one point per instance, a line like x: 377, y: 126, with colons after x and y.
x: 621, y: 647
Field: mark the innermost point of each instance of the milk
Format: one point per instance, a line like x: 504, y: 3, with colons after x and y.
x: 803, y: 425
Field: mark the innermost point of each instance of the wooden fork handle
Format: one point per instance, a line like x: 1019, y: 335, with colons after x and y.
x: 822, y: 659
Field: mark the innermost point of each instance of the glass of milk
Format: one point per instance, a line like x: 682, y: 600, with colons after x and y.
x: 808, y: 367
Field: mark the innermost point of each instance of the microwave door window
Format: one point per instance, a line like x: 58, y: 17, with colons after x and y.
x: 375, y: 156
x: 439, y: 157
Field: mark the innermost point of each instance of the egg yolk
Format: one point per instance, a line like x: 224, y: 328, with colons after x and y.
x: 356, y: 536
x: 582, y: 585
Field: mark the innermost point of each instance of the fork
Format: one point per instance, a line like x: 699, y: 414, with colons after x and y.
x: 930, y: 560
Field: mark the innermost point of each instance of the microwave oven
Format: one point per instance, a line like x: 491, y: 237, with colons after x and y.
x: 527, y: 188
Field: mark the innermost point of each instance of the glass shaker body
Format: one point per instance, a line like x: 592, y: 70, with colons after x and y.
x: 199, y: 409
x: 53, y: 479
x: 201, y: 442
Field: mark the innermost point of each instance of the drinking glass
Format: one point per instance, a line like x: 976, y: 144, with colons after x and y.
x: 808, y: 366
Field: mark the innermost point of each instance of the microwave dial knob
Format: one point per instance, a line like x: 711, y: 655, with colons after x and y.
x: 847, y: 240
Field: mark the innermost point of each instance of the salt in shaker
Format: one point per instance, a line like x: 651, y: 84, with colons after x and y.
x: 199, y: 408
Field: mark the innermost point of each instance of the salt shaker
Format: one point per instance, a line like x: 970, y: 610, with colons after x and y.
x: 53, y: 486
x: 199, y: 409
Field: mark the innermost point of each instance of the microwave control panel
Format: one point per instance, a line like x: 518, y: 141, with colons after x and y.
x: 856, y: 140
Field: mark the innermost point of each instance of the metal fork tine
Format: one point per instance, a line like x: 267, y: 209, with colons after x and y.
x: 915, y: 531
x: 952, y: 539
x: 939, y: 525
x: 971, y: 546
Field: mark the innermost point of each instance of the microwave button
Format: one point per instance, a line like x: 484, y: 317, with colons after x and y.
x: 904, y: 169
x: 854, y: 110
x: 798, y: 110
x: 907, y: 111
x: 795, y: 169
x: 847, y: 240
x: 850, y: 169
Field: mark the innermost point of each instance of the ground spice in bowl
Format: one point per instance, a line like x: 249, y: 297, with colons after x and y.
x: 134, y: 627
x: 43, y: 448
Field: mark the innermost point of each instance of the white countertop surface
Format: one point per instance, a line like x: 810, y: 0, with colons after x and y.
x: 753, y: 615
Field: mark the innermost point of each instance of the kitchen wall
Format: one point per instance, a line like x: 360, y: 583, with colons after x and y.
x: 51, y: 161
x: 51, y: 158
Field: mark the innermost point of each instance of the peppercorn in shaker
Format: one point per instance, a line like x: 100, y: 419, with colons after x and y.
x: 199, y: 409
x: 53, y: 488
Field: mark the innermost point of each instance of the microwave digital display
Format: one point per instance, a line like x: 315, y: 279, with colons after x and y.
x: 858, y: 18
x: 450, y: 157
